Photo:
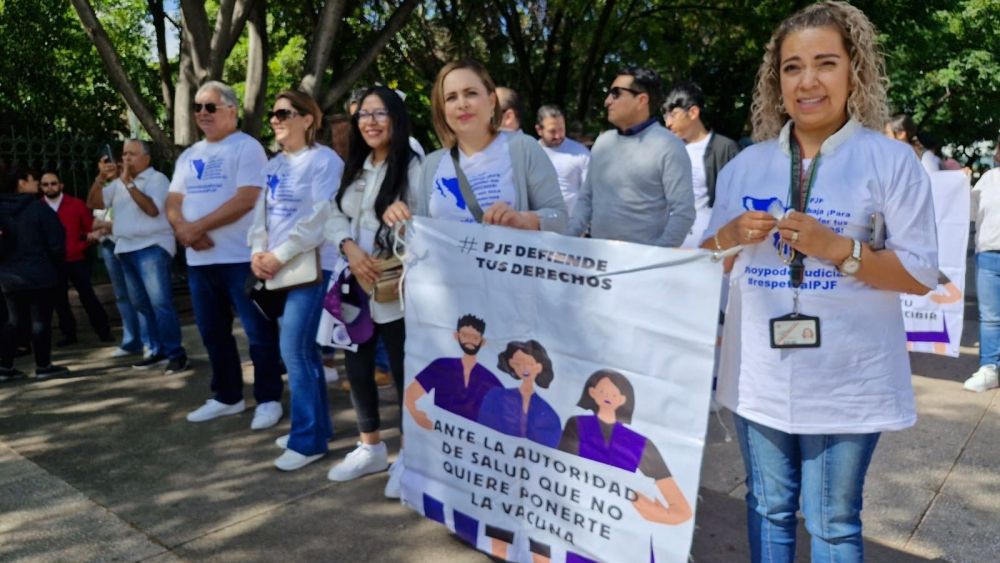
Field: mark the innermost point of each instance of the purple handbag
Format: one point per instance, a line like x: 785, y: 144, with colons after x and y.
x: 348, y: 303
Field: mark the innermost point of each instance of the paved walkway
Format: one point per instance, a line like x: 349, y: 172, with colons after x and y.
x: 101, y: 466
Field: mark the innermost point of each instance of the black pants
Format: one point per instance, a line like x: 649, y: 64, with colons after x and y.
x: 78, y: 273
x: 361, y: 373
x: 34, y: 305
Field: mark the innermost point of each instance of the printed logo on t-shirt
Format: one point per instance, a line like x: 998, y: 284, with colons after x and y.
x: 272, y: 183
x: 199, y: 167
x: 486, y: 187
x: 450, y: 186
x: 822, y: 277
x: 211, y: 172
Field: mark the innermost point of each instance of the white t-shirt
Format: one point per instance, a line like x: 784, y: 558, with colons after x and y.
x: 570, y: 160
x: 208, y: 175
x: 986, y: 211
x: 299, y: 190
x: 858, y: 380
x: 132, y: 228
x: 931, y: 162
x: 490, y: 176
x: 696, y: 152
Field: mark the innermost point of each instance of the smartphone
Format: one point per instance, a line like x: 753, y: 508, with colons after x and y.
x: 106, y: 152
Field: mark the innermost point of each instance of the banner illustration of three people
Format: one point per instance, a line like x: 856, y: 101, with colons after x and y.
x: 557, y: 391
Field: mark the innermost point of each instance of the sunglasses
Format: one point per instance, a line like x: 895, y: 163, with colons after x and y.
x: 209, y: 107
x: 616, y: 92
x: 282, y: 114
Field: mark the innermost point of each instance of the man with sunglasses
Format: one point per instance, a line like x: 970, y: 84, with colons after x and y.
x: 77, y: 222
x: 215, y: 187
x: 683, y: 113
x: 638, y: 185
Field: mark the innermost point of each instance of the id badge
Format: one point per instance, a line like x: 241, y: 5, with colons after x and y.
x: 795, y: 331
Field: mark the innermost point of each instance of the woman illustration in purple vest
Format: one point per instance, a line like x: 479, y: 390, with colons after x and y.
x: 604, y: 437
x: 519, y: 411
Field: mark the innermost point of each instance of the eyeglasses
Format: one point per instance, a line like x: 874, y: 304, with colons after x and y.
x: 209, y: 107
x: 49, y: 184
x: 616, y: 92
x: 379, y: 115
x: 672, y: 114
x: 282, y: 114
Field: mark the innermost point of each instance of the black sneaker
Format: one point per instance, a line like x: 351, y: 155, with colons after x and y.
x: 150, y: 362
x: 6, y: 374
x: 107, y: 338
x: 50, y: 371
x: 176, y: 365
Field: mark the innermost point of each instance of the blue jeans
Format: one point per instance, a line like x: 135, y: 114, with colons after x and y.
x: 311, y: 426
x: 988, y: 293
x: 828, y: 470
x: 135, y: 327
x: 215, y: 290
x: 147, y: 276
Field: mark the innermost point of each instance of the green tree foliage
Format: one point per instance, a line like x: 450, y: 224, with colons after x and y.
x: 52, y: 77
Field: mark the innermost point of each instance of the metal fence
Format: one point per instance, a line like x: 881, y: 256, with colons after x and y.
x: 73, y: 156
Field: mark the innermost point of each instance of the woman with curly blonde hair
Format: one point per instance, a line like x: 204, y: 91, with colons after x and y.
x: 814, y: 363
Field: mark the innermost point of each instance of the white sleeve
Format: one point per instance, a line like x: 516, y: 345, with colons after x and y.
x: 250, y: 167
x: 177, y: 185
x: 309, y: 232
x: 911, y: 231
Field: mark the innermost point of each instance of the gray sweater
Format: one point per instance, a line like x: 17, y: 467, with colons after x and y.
x: 534, y: 177
x: 638, y: 189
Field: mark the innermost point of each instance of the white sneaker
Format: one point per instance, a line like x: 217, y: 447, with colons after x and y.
x: 292, y: 460
x: 282, y: 442
x: 363, y: 460
x: 214, y: 409
x: 331, y: 374
x: 121, y: 353
x: 395, y: 477
x: 984, y: 379
x: 266, y: 415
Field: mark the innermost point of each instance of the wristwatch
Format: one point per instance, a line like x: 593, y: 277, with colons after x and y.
x: 852, y: 263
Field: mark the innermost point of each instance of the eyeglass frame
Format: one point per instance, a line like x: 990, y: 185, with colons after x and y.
x: 380, y: 115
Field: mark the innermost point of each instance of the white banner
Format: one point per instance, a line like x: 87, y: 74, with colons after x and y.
x: 934, y: 321
x: 557, y: 391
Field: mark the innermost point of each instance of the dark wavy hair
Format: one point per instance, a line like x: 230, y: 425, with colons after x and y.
x: 534, y: 349
x: 624, y: 412
x: 395, y: 184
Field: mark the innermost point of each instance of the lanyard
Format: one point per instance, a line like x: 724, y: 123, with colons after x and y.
x: 799, y: 189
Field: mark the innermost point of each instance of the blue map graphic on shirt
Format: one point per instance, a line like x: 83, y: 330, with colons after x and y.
x: 451, y: 185
x: 272, y: 183
x: 769, y: 205
x: 199, y: 167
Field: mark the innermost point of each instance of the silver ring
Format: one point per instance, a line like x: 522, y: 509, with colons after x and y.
x: 795, y: 236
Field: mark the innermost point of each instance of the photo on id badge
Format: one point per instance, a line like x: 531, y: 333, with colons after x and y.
x: 795, y: 331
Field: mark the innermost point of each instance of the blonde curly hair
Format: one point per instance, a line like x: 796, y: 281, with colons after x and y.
x: 867, y: 99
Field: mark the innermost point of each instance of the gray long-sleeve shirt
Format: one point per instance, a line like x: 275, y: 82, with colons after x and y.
x: 638, y: 189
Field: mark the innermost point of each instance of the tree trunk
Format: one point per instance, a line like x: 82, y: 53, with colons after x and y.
x: 196, y: 32
x: 166, y: 83
x: 352, y: 74
x: 256, y: 83
x: 185, y: 129
x: 117, y: 73
x: 321, y: 46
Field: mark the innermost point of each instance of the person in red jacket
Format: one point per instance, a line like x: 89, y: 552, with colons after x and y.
x: 77, y: 220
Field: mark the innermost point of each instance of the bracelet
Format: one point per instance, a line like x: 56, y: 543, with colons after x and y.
x: 718, y: 246
x: 340, y: 247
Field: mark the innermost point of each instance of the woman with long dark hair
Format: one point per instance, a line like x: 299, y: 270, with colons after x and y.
x: 380, y: 170
x: 289, y: 221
